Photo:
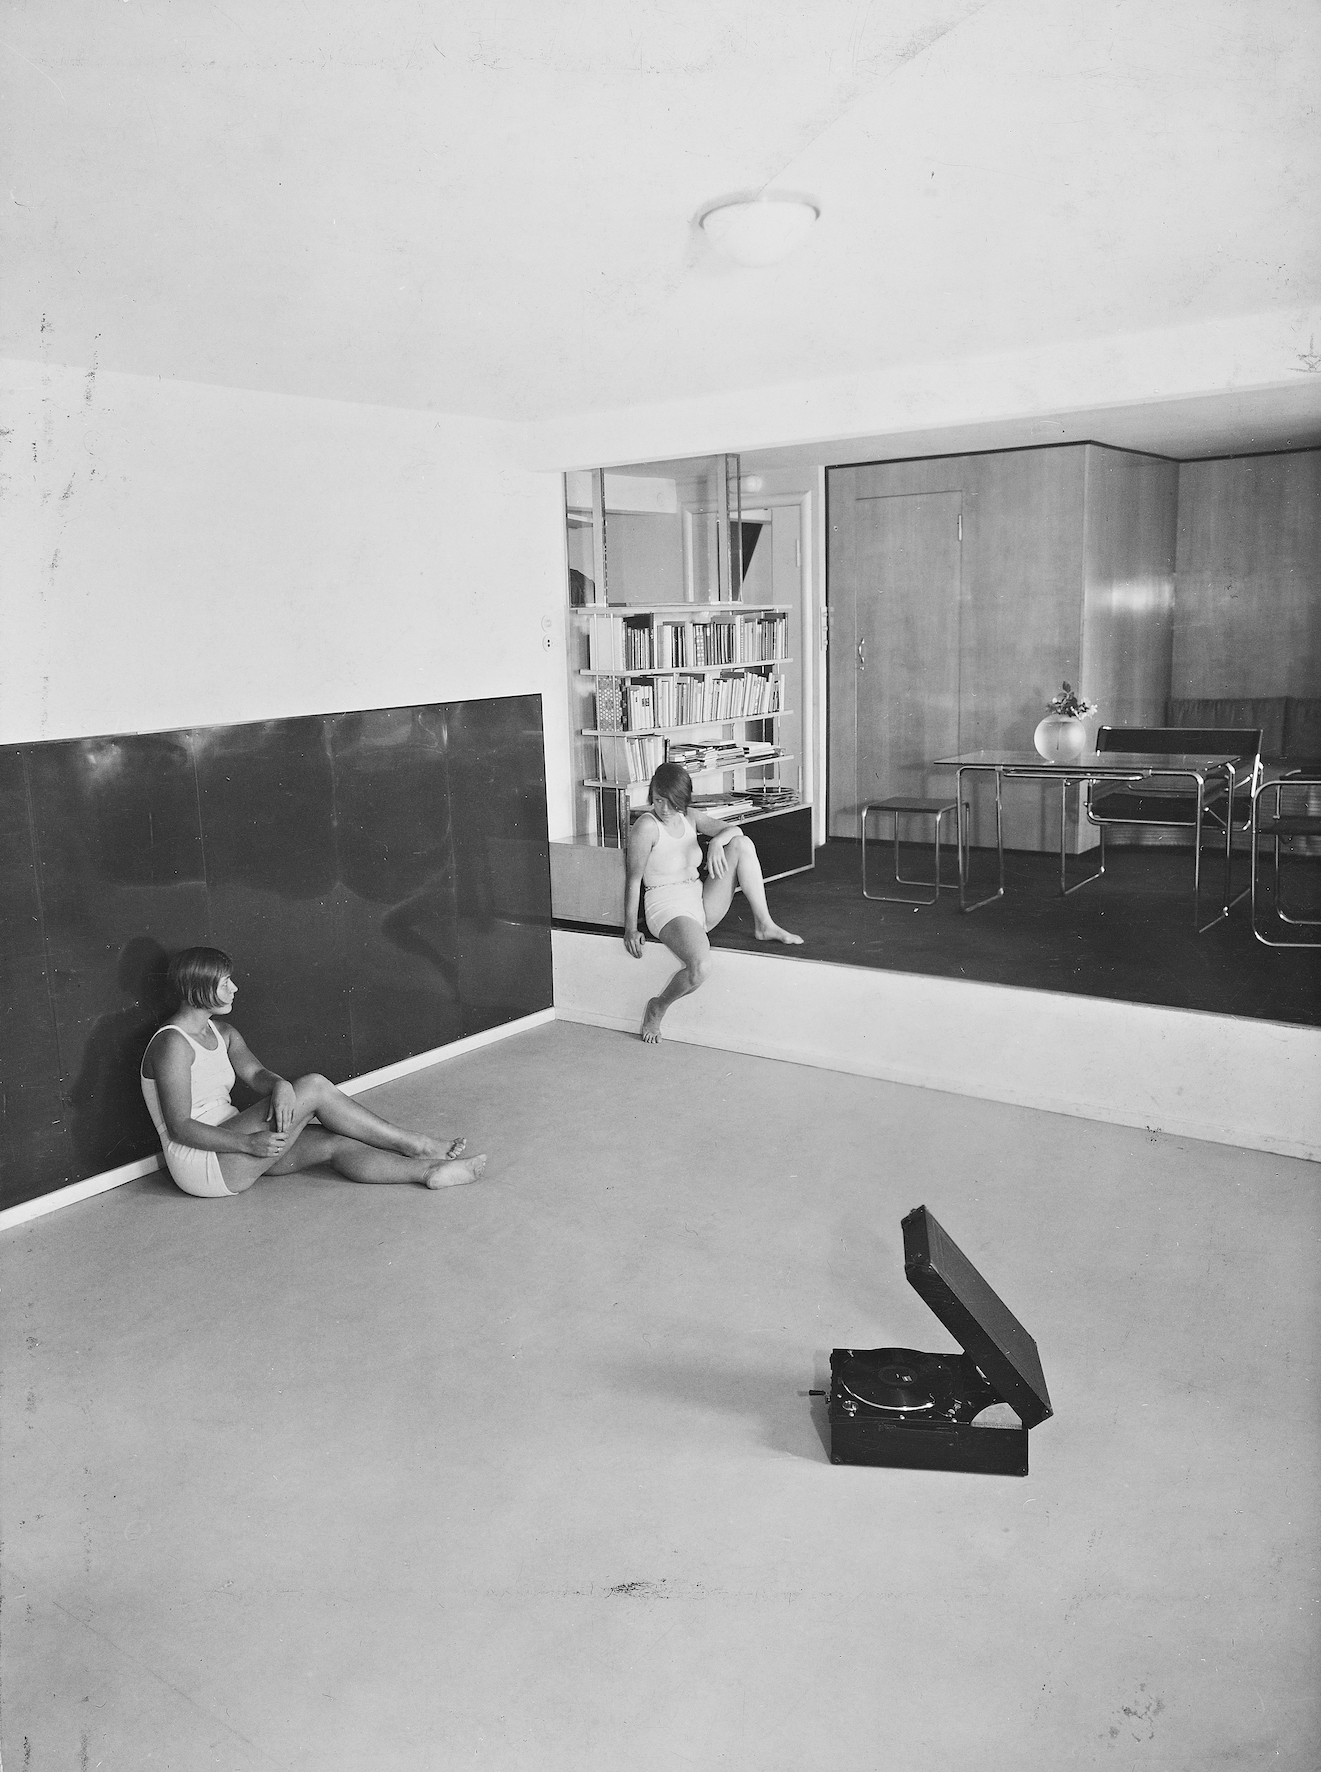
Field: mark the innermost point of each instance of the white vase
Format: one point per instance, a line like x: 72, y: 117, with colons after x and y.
x: 1060, y: 738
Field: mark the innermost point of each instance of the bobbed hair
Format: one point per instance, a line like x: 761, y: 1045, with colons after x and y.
x: 195, y: 974
x: 673, y: 784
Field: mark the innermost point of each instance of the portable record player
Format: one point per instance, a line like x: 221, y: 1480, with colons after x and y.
x: 947, y: 1412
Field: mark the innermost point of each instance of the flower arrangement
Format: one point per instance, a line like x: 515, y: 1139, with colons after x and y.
x: 1069, y: 703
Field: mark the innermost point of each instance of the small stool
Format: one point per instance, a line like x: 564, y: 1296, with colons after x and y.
x: 902, y: 806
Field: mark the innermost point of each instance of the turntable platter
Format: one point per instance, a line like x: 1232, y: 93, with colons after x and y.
x: 893, y: 1386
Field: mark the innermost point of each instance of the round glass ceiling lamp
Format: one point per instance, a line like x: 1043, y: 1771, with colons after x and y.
x: 759, y: 230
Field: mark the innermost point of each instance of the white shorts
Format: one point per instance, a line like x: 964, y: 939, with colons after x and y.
x: 682, y: 899
x: 195, y: 1171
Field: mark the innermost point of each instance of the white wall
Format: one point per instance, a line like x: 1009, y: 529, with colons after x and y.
x: 184, y: 555
x: 1233, y: 1080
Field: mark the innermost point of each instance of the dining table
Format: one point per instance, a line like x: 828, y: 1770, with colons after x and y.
x: 1190, y: 769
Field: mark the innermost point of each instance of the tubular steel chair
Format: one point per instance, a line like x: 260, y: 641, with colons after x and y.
x: 901, y: 806
x: 1281, y: 825
x: 1219, y: 802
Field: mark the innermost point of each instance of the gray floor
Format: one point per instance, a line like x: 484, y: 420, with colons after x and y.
x: 524, y: 1476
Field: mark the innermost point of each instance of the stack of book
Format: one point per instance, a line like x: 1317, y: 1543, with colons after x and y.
x: 687, y: 756
x: 702, y: 759
x: 772, y: 799
x: 722, y: 805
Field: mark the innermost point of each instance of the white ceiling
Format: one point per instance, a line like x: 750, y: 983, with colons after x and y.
x: 489, y: 206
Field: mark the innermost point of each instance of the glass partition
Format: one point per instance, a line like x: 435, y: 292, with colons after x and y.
x: 656, y: 532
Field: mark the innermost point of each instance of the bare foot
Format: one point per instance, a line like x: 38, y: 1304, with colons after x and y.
x: 455, y: 1174
x: 773, y: 932
x: 651, y: 1022
x: 440, y: 1149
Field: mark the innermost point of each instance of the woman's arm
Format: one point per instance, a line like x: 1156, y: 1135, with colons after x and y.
x: 641, y: 842
x: 249, y: 1068
x: 719, y: 835
x: 172, y: 1063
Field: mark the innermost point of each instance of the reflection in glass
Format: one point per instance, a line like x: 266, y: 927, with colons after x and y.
x: 656, y: 532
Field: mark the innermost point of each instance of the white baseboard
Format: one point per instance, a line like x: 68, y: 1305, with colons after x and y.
x: 77, y: 1190
x: 1225, y: 1078
x: 100, y: 1184
x: 456, y: 1048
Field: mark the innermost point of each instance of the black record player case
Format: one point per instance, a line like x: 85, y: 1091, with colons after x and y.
x: 916, y: 1411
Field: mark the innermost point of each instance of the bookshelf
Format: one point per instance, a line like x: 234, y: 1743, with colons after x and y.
x: 705, y: 685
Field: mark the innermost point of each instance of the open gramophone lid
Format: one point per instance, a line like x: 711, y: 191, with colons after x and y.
x: 982, y: 1324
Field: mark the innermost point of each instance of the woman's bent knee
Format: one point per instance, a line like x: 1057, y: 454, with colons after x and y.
x: 699, y: 971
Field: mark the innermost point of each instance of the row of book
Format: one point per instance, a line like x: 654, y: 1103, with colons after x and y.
x: 640, y: 643
x: 686, y: 701
x: 747, y: 639
x: 626, y: 759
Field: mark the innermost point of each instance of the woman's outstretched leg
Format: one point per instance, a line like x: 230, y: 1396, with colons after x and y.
x: 686, y: 940
x: 744, y: 868
x: 341, y: 1113
x: 412, y: 1157
x: 368, y: 1163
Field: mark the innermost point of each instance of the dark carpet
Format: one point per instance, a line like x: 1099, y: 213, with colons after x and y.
x: 1129, y: 936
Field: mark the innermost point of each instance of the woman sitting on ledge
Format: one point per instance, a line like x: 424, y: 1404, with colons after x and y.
x: 663, y: 860
x: 212, y: 1150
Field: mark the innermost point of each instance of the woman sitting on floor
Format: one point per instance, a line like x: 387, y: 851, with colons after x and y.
x: 663, y: 861
x: 212, y: 1150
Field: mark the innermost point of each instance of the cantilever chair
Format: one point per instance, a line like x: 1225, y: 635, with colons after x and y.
x: 1282, y: 823
x: 1177, y: 802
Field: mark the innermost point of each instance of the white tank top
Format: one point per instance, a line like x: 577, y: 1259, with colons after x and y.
x: 674, y: 859
x: 212, y: 1078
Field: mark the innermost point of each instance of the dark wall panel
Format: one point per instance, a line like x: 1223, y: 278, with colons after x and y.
x: 267, y: 801
x: 380, y: 878
x: 499, y: 835
x: 396, y: 857
x: 32, y: 1116
x: 118, y: 850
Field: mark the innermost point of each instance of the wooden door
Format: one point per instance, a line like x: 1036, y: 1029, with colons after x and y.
x: 894, y: 666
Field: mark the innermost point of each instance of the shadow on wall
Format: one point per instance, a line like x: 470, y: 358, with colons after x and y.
x: 109, y: 1121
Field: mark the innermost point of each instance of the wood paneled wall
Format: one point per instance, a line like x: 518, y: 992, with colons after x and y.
x: 1067, y: 571
x: 1130, y: 525
x: 1017, y: 632
x: 1247, y: 613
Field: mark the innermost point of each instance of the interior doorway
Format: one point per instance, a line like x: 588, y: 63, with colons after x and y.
x: 895, y: 652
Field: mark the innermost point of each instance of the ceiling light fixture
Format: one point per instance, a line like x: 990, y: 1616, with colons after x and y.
x: 759, y: 230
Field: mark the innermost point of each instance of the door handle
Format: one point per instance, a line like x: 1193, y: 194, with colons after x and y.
x: 862, y: 655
